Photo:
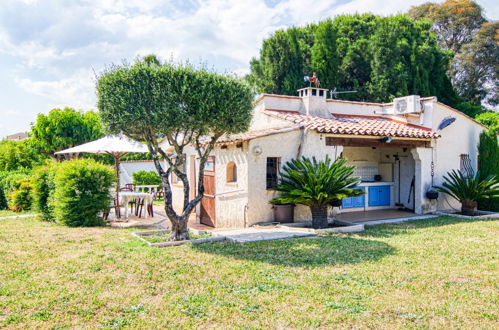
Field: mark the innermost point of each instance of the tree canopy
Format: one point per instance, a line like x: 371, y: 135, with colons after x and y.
x: 148, y: 101
x: 461, y: 28
x: 17, y: 155
x: 65, y: 128
x: 380, y: 57
x: 454, y: 21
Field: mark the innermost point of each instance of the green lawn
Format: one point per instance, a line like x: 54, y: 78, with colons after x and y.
x: 7, y: 213
x: 439, y: 273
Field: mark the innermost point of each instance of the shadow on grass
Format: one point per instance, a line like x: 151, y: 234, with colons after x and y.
x: 407, y: 228
x: 303, y: 252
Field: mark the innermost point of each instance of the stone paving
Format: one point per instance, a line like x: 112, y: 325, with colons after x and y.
x: 254, y: 235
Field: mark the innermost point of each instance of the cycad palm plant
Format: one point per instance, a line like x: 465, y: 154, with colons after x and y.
x: 469, y: 189
x: 316, y: 184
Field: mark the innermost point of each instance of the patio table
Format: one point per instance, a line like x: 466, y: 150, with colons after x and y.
x: 128, y: 196
x: 151, y: 188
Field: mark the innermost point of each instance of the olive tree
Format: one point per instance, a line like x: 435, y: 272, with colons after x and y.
x: 149, y: 101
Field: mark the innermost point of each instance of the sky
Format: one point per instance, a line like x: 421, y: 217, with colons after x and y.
x: 51, y: 50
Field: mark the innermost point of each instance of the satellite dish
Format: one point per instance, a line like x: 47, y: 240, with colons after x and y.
x: 446, y: 122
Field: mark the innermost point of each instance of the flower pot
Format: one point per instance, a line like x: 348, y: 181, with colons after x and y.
x: 432, y: 194
x: 468, y: 208
x: 284, y: 212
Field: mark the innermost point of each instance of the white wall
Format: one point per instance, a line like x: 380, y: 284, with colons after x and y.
x: 461, y: 137
x: 127, y: 169
x: 231, y: 197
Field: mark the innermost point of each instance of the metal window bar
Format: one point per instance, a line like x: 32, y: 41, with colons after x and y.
x: 273, y: 165
x: 466, y: 167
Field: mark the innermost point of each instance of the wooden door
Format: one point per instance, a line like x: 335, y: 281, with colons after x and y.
x: 207, y: 214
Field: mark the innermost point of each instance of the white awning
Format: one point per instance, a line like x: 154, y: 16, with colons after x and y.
x: 108, y: 145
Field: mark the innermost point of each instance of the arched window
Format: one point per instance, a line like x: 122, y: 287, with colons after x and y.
x: 231, y: 172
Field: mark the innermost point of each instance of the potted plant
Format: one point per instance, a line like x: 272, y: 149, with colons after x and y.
x: 317, y: 184
x: 469, y: 189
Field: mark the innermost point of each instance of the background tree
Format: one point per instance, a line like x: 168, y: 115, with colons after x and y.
x: 65, y: 128
x: 187, y: 106
x: 475, y: 69
x: 16, y: 155
x: 380, y: 57
x: 461, y: 28
x: 491, y: 120
x: 453, y: 21
x: 324, y: 55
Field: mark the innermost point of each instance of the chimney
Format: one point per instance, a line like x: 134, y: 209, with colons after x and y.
x: 314, y: 101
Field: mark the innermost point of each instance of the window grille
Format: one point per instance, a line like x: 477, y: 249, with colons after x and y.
x: 465, y: 166
x: 273, y: 167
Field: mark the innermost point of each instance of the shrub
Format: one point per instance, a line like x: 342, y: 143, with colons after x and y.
x: 146, y: 178
x: 317, y: 184
x: 488, y: 164
x: 20, y: 199
x: 81, y: 192
x: 468, y: 190
x: 9, y: 181
x: 43, y: 190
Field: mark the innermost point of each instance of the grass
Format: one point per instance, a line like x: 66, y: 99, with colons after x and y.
x: 439, y: 273
x: 7, y: 213
x: 165, y: 237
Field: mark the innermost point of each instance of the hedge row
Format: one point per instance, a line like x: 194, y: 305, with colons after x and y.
x: 72, y: 193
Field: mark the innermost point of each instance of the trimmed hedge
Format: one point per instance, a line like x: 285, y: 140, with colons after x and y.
x: 81, y: 192
x: 9, y: 182
x: 43, y: 190
x: 21, y: 198
x: 488, y: 164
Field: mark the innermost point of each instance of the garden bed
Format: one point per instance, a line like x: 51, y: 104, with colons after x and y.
x: 160, y: 238
x: 478, y: 214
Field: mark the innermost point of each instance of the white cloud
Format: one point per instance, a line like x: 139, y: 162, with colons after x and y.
x: 75, y: 91
x: 49, y: 48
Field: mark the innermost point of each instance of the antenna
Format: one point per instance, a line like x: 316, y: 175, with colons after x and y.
x: 334, y: 92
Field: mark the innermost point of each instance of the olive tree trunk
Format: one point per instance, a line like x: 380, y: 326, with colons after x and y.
x: 319, y: 216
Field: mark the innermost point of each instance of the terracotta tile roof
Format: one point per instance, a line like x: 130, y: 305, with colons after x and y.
x: 356, y: 125
x: 250, y: 135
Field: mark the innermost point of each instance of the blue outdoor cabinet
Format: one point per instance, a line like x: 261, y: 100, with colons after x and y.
x: 351, y: 202
x: 379, y: 196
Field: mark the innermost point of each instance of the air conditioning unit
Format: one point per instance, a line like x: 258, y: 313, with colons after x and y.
x: 407, y: 104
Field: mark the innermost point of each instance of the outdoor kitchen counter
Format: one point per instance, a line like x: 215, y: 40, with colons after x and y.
x: 375, y: 183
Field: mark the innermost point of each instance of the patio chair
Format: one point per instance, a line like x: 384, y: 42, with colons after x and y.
x: 140, y: 207
x: 114, y: 204
x: 132, y: 203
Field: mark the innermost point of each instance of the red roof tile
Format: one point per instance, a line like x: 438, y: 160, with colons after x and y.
x: 250, y: 135
x: 356, y: 125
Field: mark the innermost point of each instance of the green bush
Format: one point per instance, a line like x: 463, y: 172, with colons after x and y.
x: 43, y: 190
x: 20, y: 199
x: 9, y: 181
x: 489, y: 119
x: 146, y: 178
x: 488, y: 163
x: 81, y: 192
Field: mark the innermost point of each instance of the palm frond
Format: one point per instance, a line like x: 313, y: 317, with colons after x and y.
x: 310, y: 182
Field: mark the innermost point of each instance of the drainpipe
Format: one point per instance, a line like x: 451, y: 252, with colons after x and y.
x: 304, y: 131
x: 245, y: 216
